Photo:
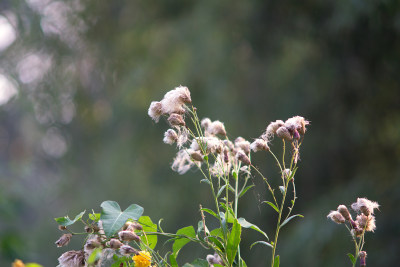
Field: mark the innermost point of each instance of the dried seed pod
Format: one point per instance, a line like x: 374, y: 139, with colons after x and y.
x: 127, y: 250
x: 64, y: 240
x: 62, y: 227
x: 363, y: 256
x: 284, y: 133
x: 128, y: 236
x: 114, y: 243
x: 345, y: 212
x: 336, y: 217
x: 242, y: 157
x: 176, y: 120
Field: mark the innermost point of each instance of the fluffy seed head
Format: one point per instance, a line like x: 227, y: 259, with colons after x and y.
x: 216, y: 127
x: 366, y: 222
x: 284, y: 133
x: 64, y: 240
x: 182, y: 162
x: 345, y: 212
x: 297, y: 123
x: 259, y: 145
x: 271, y: 130
x: 170, y: 137
x: 241, y: 143
x: 195, y: 155
x: 155, y: 110
x: 72, y: 258
x: 205, y: 123
x: 174, y: 100
x: 365, y: 206
x: 336, y: 217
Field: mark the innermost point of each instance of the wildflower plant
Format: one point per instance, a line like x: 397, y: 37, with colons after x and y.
x: 365, y: 222
x: 226, y: 167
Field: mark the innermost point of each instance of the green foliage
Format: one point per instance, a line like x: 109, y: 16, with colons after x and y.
x: 352, y: 259
x: 197, y: 263
x: 233, y: 241
x: 246, y: 224
x: 291, y: 217
x: 113, y: 218
x: 182, y: 239
x: 149, y: 240
x: 66, y: 221
x: 276, y: 261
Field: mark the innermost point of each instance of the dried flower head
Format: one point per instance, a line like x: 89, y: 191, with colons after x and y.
x: 183, y: 136
x: 284, y: 133
x: 205, y: 123
x: 174, y: 100
x: 155, y: 110
x: 297, y: 123
x: 170, y: 137
x: 214, y: 259
x: 336, y: 217
x: 183, y: 162
x: 243, y: 158
x: 64, y: 240
x: 62, y: 228
x: 195, y: 155
x: 176, y: 120
x: 128, y: 236
x: 132, y: 226
x: 345, y: 212
x: 259, y: 145
x: 72, y: 258
x: 363, y: 256
x: 243, y: 144
x: 271, y: 130
x: 216, y: 127
x: 365, y: 206
x: 127, y: 250
x: 143, y: 259
x: 366, y: 222
x: 114, y: 243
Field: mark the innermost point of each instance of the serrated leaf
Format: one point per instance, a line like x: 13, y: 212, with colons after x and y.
x: 352, y: 259
x: 182, y: 241
x: 113, y: 218
x: 148, y: 239
x: 276, y: 261
x: 66, y: 221
x: 245, y: 190
x: 246, y: 224
x: 197, y: 263
x: 291, y: 217
x: 262, y: 243
x: 233, y: 241
x: 272, y: 205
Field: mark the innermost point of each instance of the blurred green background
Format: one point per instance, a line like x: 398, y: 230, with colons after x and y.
x: 77, y: 77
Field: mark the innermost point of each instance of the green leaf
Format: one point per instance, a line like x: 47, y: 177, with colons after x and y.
x: 113, y: 218
x: 216, y: 242
x: 197, y: 263
x: 200, y: 229
x: 148, y: 239
x: 242, y: 263
x: 352, y: 259
x: 221, y: 190
x: 262, y: 243
x: 246, y: 224
x: 94, y: 216
x: 229, y: 214
x: 276, y: 261
x: 234, y: 174
x: 31, y: 264
x: 272, y: 205
x: 233, y: 241
x: 210, y: 212
x: 94, y: 256
x: 245, y: 190
x: 172, y: 260
x: 217, y: 232
x: 291, y: 217
x: 66, y: 221
x: 182, y: 241
x: 205, y: 181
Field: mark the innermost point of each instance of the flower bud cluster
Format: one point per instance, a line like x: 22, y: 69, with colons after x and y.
x: 291, y: 129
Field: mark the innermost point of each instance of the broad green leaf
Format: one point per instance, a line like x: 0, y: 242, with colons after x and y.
x: 180, y: 242
x: 172, y: 260
x: 94, y: 256
x: 352, y: 259
x: 276, y: 261
x: 246, y: 224
x: 31, y: 264
x: 94, y: 216
x: 216, y: 242
x: 210, y: 212
x: 113, y: 218
x: 272, y: 205
x: 291, y: 217
x: 148, y: 239
x: 217, y: 232
x: 245, y: 190
x: 197, y: 263
x: 262, y: 243
x: 233, y: 241
x: 66, y: 221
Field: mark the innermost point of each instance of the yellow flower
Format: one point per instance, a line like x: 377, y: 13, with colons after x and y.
x: 143, y: 259
x: 18, y: 263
